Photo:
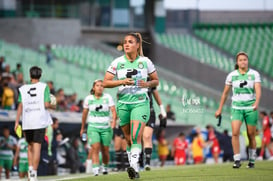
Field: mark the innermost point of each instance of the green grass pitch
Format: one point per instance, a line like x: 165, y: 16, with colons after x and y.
x: 221, y: 172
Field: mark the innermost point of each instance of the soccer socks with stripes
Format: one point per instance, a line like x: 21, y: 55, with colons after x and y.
x: 135, y: 151
x: 237, y: 157
x: 252, y: 155
x: 95, y: 169
x: 148, y: 154
x: 125, y: 160
x: 119, y: 155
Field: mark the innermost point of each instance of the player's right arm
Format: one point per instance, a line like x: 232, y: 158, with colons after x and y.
x: 84, y: 114
x: 108, y: 81
x: 47, y: 99
x: 223, y: 100
x: 173, y: 149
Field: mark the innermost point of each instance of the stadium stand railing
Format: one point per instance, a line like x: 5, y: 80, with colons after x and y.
x: 191, y: 46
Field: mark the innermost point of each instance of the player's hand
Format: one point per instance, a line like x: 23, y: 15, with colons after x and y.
x: 128, y: 81
x: 255, y: 106
x: 143, y: 84
x: 81, y: 132
x: 113, y: 124
x: 218, y: 113
x: 15, y: 126
x: 162, y: 111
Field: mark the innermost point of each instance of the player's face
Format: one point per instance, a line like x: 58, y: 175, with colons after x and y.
x: 130, y: 44
x: 242, y: 62
x: 6, y: 133
x: 98, y: 88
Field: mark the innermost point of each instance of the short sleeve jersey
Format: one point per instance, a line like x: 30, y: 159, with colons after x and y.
x: 5, y: 152
x: 243, y: 88
x: 139, y: 69
x: 99, y: 110
x: 180, y: 146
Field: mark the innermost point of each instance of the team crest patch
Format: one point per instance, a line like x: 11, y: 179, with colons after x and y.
x: 249, y: 77
x: 122, y: 66
x: 140, y: 65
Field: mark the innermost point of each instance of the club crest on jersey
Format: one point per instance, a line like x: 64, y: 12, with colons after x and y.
x: 140, y: 65
x: 249, y: 77
x: 121, y: 66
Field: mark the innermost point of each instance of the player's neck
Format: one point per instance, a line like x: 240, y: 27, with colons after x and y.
x: 131, y: 56
x: 97, y: 95
x: 243, y: 71
x: 34, y: 81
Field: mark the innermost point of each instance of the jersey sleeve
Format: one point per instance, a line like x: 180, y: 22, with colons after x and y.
x: 19, y: 98
x: 47, y: 94
x: 85, y: 103
x: 113, y: 68
x: 257, y: 77
x: 229, y: 79
x: 150, y: 66
x: 111, y: 101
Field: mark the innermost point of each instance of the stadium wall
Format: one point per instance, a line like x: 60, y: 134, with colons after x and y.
x: 31, y: 32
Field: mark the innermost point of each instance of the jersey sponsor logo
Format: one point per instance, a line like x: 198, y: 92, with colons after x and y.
x: 32, y: 92
x: 131, y: 72
x: 242, y: 84
x: 98, y: 108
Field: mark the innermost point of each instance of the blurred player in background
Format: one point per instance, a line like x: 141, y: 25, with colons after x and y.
x: 215, y: 146
x: 197, y: 147
x: 7, y: 147
x: 246, y: 87
x: 132, y: 71
x: 163, y: 149
x: 149, y: 128
x: 97, y: 108
x: 179, y: 149
x: 266, y: 136
x: 34, y: 100
x: 21, y: 156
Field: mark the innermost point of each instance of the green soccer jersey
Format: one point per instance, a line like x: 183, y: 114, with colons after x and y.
x: 243, y: 88
x: 5, y: 152
x: 139, y: 69
x: 23, y: 145
x: 99, y: 111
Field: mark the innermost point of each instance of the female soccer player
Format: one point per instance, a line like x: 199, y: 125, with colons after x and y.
x: 96, y: 109
x: 21, y: 155
x: 246, y: 87
x: 179, y: 149
x: 132, y: 71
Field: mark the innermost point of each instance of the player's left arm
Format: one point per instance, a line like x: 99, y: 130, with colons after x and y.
x: 47, y: 99
x: 114, y: 116
x: 258, y: 91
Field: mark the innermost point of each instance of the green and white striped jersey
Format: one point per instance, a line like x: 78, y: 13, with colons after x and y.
x: 243, y: 88
x: 99, y: 111
x: 5, y: 152
x: 23, y: 145
x: 139, y: 69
